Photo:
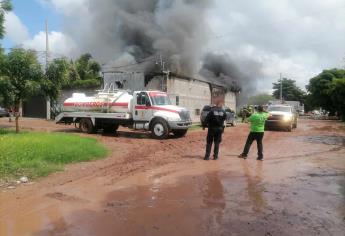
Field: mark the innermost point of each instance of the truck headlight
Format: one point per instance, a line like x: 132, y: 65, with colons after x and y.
x: 174, y: 118
x: 287, y: 117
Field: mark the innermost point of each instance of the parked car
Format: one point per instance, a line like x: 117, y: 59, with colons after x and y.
x: 230, y: 115
x: 282, y: 116
x: 4, y: 112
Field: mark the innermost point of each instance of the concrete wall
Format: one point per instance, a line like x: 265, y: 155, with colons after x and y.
x: 230, y: 100
x: 134, y: 81
x: 155, y: 84
x: 191, y: 94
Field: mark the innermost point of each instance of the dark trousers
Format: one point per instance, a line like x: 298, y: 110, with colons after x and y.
x: 214, y: 134
x: 258, y: 136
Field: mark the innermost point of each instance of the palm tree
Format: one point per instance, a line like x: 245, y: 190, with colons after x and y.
x: 5, y: 6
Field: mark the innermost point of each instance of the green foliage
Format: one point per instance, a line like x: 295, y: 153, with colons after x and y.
x: 7, y: 96
x: 22, y: 75
x: 84, y: 84
x: 21, y: 78
x: 56, y: 77
x: 73, y: 73
x: 290, y: 90
x: 338, y: 95
x: 39, y: 154
x: 87, y: 68
x: 260, y: 99
x: 327, y: 90
x: 83, y: 73
x: 5, y: 6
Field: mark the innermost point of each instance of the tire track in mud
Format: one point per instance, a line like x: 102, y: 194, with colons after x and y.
x: 146, y: 154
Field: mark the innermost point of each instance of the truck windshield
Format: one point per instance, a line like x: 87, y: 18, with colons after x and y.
x: 284, y: 109
x: 160, y: 100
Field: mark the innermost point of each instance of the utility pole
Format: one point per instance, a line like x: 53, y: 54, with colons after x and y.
x: 48, y: 106
x: 281, y: 89
x: 47, y: 45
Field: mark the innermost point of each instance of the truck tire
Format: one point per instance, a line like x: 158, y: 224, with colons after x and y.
x: 110, y: 129
x: 289, y: 128
x: 86, y: 126
x: 179, y: 133
x: 159, y: 129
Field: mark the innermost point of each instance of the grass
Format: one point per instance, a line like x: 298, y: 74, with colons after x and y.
x: 35, y: 154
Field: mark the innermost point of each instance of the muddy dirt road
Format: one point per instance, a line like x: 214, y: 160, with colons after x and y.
x: 150, y: 187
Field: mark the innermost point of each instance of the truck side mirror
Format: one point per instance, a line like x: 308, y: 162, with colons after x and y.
x: 148, y: 104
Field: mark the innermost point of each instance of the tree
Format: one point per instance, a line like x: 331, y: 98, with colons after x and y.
x: 73, y: 73
x: 5, y: 6
x: 84, y: 73
x: 22, y: 78
x: 338, y: 96
x: 87, y: 68
x: 56, y: 77
x: 326, y: 90
x: 260, y: 99
x: 290, y: 90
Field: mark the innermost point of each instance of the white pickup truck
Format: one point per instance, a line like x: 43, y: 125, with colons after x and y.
x: 140, y: 110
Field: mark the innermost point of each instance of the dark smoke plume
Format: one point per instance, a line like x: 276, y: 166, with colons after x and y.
x: 130, y: 31
x: 238, y: 74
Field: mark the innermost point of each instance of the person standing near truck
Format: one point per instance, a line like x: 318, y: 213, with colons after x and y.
x: 257, y: 129
x: 215, y: 122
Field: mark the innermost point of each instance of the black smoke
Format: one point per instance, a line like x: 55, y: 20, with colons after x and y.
x: 239, y: 74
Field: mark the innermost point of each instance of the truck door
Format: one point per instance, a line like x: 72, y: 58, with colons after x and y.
x: 142, y: 108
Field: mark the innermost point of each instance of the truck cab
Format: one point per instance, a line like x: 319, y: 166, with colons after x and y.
x: 152, y: 110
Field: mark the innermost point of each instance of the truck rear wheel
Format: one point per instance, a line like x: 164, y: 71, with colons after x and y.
x: 86, y: 126
x: 159, y: 129
x: 180, y: 133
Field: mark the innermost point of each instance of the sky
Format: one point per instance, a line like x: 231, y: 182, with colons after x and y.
x: 298, y: 38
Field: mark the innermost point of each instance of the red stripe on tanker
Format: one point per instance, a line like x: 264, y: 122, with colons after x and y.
x: 155, y: 108
x: 101, y: 102
x: 69, y: 104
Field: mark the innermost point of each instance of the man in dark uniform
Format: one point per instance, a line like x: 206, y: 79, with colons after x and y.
x: 215, y: 123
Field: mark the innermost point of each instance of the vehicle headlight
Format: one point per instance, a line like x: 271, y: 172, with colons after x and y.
x: 287, y: 117
x: 174, y: 118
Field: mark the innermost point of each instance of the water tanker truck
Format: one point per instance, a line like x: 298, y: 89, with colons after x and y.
x: 139, y: 110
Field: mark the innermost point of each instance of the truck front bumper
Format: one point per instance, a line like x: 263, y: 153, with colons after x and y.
x: 180, y: 124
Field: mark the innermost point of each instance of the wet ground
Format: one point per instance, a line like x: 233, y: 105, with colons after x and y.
x: 150, y: 187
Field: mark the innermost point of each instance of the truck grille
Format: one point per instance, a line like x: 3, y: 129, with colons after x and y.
x: 184, y: 115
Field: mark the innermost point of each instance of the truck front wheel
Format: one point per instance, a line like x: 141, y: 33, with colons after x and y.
x: 180, y: 133
x: 109, y: 129
x: 289, y: 128
x: 86, y: 126
x: 159, y: 129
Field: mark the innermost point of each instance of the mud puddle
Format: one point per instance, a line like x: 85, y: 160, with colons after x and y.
x: 207, y: 198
